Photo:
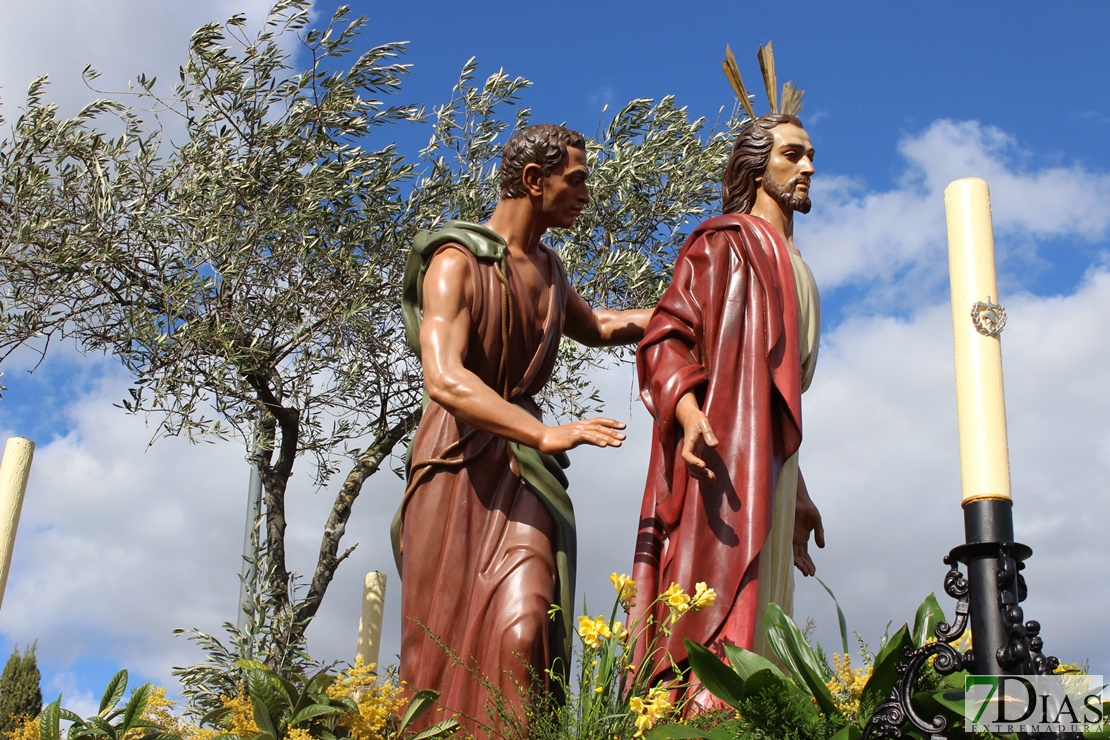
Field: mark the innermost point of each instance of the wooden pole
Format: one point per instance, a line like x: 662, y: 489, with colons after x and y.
x: 14, y: 470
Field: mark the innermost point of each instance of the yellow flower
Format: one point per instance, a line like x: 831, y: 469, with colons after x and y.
x: 846, y: 686
x: 619, y: 631
x: 241, y: 715
x: 626, y: 589
x: 593, y: 630
x: 703, y: 596
x: 649, y: 710
x: 376, y: 700
x: 677, y: 599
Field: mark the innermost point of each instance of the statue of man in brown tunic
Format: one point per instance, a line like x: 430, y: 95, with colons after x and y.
x: 487, y: 530
x: 722, y: 366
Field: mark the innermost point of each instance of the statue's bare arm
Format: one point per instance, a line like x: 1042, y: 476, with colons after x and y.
x: 603, y: 328
x: 444, y: 333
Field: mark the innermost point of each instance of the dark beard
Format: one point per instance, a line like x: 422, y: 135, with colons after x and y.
x: 785, y: 196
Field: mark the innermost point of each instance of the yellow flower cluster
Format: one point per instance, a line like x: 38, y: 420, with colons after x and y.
x: 649, y: 710
x: 241, y: 716
x: 846, y: 686
x: 681, y: 602
x: 377, y: 702
x: 27, y: 729
x: 626, y: 589
x: 160, y: 711
x: 593, y: 630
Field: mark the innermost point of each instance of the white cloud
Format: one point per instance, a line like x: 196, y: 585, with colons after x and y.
x: 856, y: 236
x: 109, y: 36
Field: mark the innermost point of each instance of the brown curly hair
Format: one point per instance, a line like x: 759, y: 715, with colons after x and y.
x: 544, y: 144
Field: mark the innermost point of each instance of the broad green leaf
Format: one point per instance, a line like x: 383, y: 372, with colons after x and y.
x: 313, y: 710
x: 49, y: 720
x: 840, y: 620
x: 851, y: 732
x: 446, y: 728
x: 1100, y: 734
x: 894, y: 645
x: 294, y: 699
x: 267, y: 723
x: 766, y: 681
x: 952, y: 700
x: 346, y: 703
x: 929, y: 614
x: 135, y: 707
x: 146, y: 724
x: 745, y: 662
x: 252, y: 665
x: 720, y: 680
x: 113, y: 693
x: 100, y: 725
x: 421, y: 701
x: 791, y: 647
x: 214, y: 717
x: 884, y: 672
x: 261, y: 690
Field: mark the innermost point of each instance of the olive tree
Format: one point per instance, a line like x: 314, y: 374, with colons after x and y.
x: 247, y: 272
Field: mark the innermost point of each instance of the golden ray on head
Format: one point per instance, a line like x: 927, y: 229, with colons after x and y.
x: 791, y: 101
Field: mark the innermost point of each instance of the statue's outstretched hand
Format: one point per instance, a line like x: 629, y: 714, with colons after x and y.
x: 806, y: 519
x: 600, y: 432
x: 699, y: 435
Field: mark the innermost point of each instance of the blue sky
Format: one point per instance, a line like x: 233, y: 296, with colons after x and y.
x: 120, y: 543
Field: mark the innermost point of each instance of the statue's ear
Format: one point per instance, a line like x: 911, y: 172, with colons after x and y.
x: 532, y: 177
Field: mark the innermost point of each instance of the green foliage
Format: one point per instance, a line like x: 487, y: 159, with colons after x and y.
x: 303, y: 706
x: 111, y: 722
x: 20, y: 695
x: 266, y: 632
x: 237, y: 245
x: 800, y: 705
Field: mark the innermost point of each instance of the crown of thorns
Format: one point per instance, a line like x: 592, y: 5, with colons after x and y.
x: 790, y: 102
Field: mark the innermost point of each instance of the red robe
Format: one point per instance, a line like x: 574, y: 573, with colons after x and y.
x: 726, y: 330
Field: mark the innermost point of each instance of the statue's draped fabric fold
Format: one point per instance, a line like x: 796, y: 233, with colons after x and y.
x: 726, y: 330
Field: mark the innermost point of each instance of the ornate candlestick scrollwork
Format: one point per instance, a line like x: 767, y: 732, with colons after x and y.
x: 889, y: 717
x: 1020, y: 654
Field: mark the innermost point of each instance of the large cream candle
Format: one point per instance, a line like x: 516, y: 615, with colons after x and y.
x: 976, y: 319
x: 370, y: 623
x: 14, y: 470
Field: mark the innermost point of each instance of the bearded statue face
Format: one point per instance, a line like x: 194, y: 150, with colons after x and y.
x: 789, y: 168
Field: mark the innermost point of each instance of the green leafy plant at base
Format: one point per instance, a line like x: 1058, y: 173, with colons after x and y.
x: 609, y: 696
x: 111, y: 722
x: 349, y: 706
x: 815, y: 701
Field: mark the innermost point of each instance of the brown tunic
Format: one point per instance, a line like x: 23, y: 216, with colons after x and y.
x: 479, y: 545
